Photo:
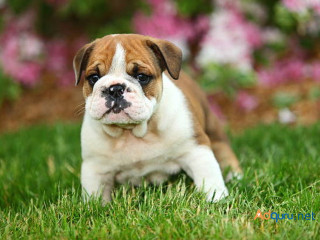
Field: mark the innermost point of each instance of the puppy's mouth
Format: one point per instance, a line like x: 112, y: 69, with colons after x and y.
x: 125, y: 126
x: 127, y: 121
x: 116, y: 105
x: 116, y: 113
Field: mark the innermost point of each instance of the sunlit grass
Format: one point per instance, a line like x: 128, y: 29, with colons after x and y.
x: 41, y: 197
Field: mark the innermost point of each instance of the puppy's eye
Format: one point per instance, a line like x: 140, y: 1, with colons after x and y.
x: 93, y: 78
x: 143, y: 78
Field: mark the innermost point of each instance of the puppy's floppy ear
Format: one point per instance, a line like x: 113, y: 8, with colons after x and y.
x: 80, y: 60
x: 168, y: 54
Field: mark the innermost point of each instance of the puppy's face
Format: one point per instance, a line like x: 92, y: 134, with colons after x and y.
x: 123, y: 82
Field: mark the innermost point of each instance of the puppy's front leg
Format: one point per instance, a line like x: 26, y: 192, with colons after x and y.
x: 201, y: 165
x: 95, y: 183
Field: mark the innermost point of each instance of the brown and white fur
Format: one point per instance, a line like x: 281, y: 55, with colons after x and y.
x: 165, y: 125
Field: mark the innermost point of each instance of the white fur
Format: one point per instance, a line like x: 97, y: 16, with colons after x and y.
x: 118, y: 65
x: 131, y: 154
x: 201, y: 165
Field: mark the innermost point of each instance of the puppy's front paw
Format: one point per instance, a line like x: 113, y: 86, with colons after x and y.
x: 217, y: 194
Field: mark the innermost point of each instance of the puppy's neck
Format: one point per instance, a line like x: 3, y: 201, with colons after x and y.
x: 138, y: 130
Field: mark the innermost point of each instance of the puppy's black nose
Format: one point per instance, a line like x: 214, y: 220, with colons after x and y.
x: 116, y: 91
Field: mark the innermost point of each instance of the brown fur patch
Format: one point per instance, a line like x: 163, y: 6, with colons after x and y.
x: 99, y: 60
x: 86, y: 89
x: 139, y: 58
x: 197, y: 105
x: 208, y: 130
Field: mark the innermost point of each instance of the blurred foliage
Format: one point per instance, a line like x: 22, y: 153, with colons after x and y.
x: 285, y: 19
x: 1, y: 24
x: 19, y: 6
x: 269, y: 6
x: 260, y: 54
x: 314, y: 93
x: 87, y: 9
x: 95, y: 18
x: 9, y: 90
x: 92, y: 19
x: 226, y: 78
x: 193, y: 8
x: 284, y: 99
x: 100, y: 17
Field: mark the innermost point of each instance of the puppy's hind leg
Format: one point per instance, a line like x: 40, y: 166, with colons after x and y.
x: 221, y: 148
x: 227, y: 159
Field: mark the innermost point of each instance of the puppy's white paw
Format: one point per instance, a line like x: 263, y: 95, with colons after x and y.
x: 217, y: 194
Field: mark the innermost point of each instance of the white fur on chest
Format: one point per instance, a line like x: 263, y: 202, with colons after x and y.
x: 130, y: 157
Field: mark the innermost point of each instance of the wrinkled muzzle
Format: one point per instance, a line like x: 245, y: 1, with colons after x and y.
x: 119, y: 101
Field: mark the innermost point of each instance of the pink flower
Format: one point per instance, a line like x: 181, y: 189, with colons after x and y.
x: 164, y: 22
x: 199, y: 27
x: 21, y: 50
x: 24, y: 56
x: 294, y: 70
x: 253, y: 35
x: 315, y: 6
x: 57, y: 55
x: 26, y: 72
x: 231, y: 39
x: 265, y: 77
x: 245, y: 101
x: 23, y: 22
x: 301, y: 6
x: 23, y: 68
x: 289, y: 70
x: 161, y: 23
x: 31, y: 47
x: 29, y: 73
x: 295, y: 5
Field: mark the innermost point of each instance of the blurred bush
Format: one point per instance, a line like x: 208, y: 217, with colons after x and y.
x: 230, y: 44
x: 284, y: 100
x: 8, y: 89
x: 225, y: 78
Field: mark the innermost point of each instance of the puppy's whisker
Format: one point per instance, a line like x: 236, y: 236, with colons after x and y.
x: 80, y: 109
x: 80, y: 105
x: 80, y: 112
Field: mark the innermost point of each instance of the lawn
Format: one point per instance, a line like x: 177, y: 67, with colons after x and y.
x: 41, y: 197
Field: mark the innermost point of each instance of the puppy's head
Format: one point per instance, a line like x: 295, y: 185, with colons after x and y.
x: 123, y: 76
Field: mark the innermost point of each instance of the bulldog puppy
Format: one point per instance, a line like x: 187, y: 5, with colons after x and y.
x: 143, y: 121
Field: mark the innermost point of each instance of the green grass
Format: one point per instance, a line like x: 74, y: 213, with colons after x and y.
x: 40, y: 195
